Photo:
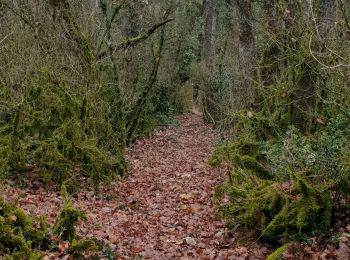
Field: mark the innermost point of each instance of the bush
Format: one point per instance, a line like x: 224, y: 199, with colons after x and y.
x: 287, y: 186
x: 58, y: 134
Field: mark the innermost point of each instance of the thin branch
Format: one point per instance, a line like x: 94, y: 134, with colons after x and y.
x: 136, y: 40
x: 321, y: 63
x: 327, y: 48
x: 8, y: 35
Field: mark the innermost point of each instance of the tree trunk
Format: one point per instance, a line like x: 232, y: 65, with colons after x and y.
x: 246, y: 50
x: 208, y: 18
x: 210, y: 109
x: 306, y: 93
x: 326, y: 19
x: 268, y: 67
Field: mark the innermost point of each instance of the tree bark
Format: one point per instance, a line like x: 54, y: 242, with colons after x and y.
x: 246, y: 50
x: 326, y: 19
x: 268, y: 67
x: 208, y: 17
x: 306, y: 93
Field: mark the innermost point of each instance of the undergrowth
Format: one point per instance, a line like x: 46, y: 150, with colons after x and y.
x: 286, y: 187
x: 22, y: 238
x: 47, y: 130
x: 289, y: 150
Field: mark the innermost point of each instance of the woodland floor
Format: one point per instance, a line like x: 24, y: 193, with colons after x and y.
x: 162, y: 209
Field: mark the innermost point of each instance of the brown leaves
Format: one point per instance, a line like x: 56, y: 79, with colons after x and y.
x: 163, y: 209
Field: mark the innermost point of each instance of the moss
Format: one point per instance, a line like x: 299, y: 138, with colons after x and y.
x: 277, y: 254
x: 22, y: 219
x: 214, y: 160
x: 56, y: 132
x: 80, y: 246
x: 34, y: 255
x: 65, y: 224
x: 67, y: 219
x: 16, y: 230
x: 277, y: 214
x: 21, y: 239
x: 248, y: 162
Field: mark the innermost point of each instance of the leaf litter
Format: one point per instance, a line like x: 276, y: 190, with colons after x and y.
x: 162, y: 209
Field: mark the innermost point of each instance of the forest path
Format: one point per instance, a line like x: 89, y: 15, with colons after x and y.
x: 163, y: 209
x: 169, y: 192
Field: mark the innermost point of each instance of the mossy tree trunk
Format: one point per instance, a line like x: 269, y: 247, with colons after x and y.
x: 210, y: 106
x: 326, y: 19
x: 135, y: 114
x: 305, y: 103
x: 117, y: 116
x: 269, y: 67
x: 83, y: 46
x: 246, y: 50
x: 208, y: 18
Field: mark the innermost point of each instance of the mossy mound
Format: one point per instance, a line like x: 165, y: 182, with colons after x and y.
x: 21, y: 238
x: 277, y: 214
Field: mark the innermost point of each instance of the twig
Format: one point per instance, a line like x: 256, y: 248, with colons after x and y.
x: 4, y: 39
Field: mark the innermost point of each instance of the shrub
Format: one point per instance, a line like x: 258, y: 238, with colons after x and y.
x: 58, y: 134
x: 20, y: 238
x: 287, y: 186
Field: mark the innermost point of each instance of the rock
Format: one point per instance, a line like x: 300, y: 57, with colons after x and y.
x: 190, y: 241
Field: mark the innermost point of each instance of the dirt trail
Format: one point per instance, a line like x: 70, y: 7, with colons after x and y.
x: 170, y: 188
x: 163, y: 209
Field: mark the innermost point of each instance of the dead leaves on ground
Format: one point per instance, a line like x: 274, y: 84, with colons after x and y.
x: 163, y: 209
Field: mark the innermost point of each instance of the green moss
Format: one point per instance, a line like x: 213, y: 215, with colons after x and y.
x: 34, y: 255
x: 54, y: 130
x: 67, y: 219
x: 22, y: 219
x: 277, y: 214
x: 229, y: 152
x: 277, y: 254
x: 80, y: 246
x: 65, y: 224
x: 17, y: 233
x: 214, y: 160
x: 248, y: 162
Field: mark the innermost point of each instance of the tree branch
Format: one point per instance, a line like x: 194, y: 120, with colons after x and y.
x: 134, y: 41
